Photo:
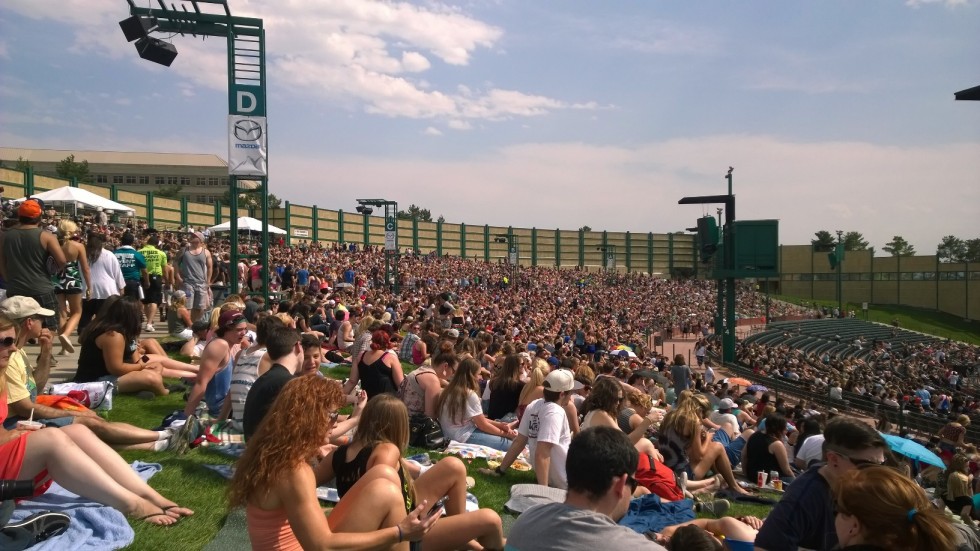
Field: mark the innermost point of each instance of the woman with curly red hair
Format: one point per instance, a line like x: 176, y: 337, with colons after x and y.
x: 378, y: 369
x: 275, y: 481
x: 381, y: 440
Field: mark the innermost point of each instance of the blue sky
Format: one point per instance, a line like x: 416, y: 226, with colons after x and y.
x: 835, y: 115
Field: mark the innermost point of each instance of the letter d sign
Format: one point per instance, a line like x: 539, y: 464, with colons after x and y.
x: 246, y: 102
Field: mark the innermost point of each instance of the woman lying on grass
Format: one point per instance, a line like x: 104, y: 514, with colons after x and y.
x: 274, y: 480
x: 75, y: 458
x: 380, y: 441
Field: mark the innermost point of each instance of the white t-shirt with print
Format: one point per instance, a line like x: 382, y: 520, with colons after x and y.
x: 546, y: 422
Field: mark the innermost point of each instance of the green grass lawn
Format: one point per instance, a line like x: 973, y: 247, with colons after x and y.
x: 923, y: 320
x: 185, y: 479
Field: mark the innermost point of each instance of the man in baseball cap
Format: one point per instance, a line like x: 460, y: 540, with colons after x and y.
x: 545, y: 429
x: 214, y: 376
x: 27, y: 255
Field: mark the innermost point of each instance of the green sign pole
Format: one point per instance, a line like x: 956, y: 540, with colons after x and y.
x: 247, y: 129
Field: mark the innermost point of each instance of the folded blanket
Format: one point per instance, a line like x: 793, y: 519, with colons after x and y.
x: 93, y: 527
x: 649, y: 514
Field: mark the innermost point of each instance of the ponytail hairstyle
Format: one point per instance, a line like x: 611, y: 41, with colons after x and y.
x: 380, y: 340
x: 66, y: 229
x: 893, y: 510
x: 445, y: 355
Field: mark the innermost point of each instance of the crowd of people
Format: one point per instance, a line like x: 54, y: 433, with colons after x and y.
x: 558, y: 361
x: 937, y: 379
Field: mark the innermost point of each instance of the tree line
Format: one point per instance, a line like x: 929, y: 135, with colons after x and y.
x: 950, y: 248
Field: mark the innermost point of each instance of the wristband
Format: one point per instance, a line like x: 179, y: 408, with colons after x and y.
x: 399, y: 533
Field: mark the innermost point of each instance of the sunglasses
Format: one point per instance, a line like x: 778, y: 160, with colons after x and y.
x: 631, y: 482
x: 858, y: 462
x: 7, y: 342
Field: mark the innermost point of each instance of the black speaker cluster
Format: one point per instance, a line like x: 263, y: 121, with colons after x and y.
x: 138, y: 28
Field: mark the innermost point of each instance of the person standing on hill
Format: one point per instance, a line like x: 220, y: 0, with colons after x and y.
x: 25, y: 255
x: 133, y: 266
x: 156, y: 261
x: 195, y: 271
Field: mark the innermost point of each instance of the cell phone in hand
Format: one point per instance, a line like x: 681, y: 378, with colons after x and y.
x: 439, y: 505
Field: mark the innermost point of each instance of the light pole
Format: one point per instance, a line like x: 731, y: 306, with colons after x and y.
x: 247, y: 129
x: 609, y: 257
x: 391, y: 235
x: 840, y: 268
x: 513, y: 253
x: 726, y: 274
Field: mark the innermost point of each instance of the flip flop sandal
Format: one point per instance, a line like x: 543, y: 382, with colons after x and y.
x: 162, y: 513
x: 169, y: 507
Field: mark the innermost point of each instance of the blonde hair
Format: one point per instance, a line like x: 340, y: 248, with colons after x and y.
x: 6, y: 323
x: 216, y: 313
x: 362, y: 327
x: 66, y: 229
x: 286, y: 319
x: 535, y: 379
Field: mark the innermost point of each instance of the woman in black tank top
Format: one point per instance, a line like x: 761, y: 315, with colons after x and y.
x: 378, y: 370
x: 381, y: 439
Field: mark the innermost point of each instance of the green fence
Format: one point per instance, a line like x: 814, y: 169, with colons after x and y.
x: 654, y: 253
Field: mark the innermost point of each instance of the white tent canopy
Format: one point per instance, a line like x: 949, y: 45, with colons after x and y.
x: 81, y: 198
x: 246, y: 223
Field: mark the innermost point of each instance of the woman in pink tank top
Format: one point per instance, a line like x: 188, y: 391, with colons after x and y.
x: 277, y: 485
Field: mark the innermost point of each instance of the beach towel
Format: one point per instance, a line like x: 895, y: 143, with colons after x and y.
x: 94, y: 527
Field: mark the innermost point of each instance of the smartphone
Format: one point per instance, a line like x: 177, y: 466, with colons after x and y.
x: 439, y: 505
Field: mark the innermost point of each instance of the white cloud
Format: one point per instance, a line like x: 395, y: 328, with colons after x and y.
x: 356, y: 52
x: 4, y: 53
x: 432, y: 131
x: 457, y: 124
x: 415, y: 62
x: 947, y: 3
x: 877, y: 190
x: 804, y: 81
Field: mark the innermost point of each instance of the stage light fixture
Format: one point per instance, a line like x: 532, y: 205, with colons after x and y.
x: 138, y: 26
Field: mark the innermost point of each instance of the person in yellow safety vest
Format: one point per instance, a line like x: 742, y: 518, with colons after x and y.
x: 156, y: 260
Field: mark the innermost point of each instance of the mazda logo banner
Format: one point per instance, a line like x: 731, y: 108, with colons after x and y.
x: 247, y: 152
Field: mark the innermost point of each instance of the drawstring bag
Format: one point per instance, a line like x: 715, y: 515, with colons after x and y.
x: 95, y: 395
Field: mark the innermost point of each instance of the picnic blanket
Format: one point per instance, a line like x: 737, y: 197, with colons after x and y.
x: 228, y: 432
x: 94, y: 527
x: 493, y: 457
